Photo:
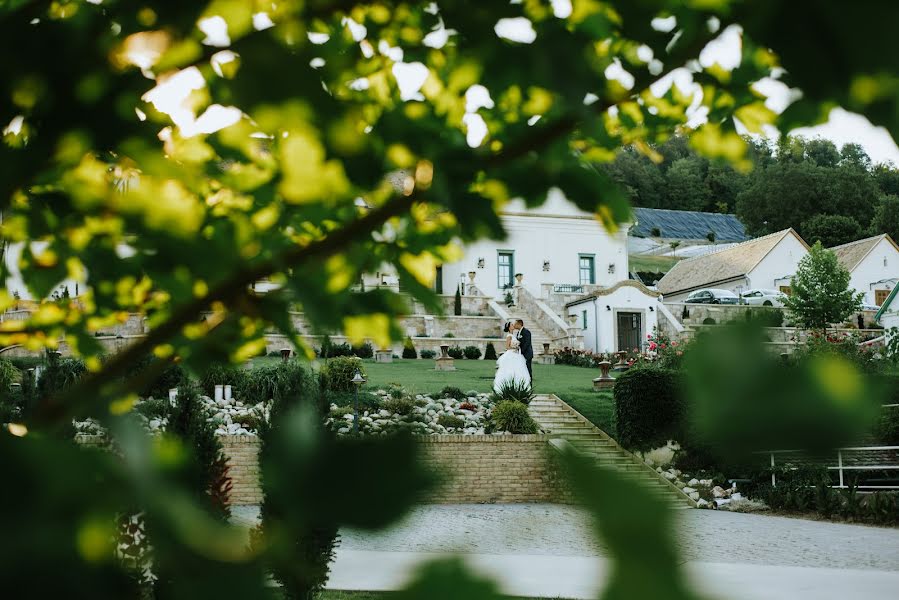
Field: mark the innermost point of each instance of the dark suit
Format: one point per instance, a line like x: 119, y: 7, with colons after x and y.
x: 527, y: 350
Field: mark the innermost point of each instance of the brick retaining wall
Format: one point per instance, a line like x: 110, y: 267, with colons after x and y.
x: 472, y: 468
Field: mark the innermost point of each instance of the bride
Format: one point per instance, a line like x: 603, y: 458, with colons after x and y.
x: 512, y: 365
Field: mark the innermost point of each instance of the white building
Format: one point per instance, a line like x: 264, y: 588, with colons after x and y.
x: 554, y: 244
x: 766, y: 262
x: 617, y: 318
x: 873, y: 265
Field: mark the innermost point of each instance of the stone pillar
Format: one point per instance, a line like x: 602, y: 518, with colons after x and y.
x: 384, y: 356
x: 546, y: 358
x: 445, y: 362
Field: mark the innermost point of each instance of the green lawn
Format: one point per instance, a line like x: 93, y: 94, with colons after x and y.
x: 574, y: 385
x: 345, y: 595
x: 642, y: 262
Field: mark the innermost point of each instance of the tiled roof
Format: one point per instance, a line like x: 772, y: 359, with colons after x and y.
x: 687, y: 225
x: 852, y: 253
x: 724, y: 265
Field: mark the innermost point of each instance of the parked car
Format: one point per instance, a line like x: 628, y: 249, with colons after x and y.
x: 762, y: 297
x: 713, y: 296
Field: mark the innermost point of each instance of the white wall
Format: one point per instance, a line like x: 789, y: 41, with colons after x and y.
x: 778, y: 266
x: 601, y: 334
x: 557, y: 232
x: 872, y: 273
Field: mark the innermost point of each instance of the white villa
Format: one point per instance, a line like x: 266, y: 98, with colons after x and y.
x: 766, y: 262
x: 888, y: 315
x: 553, y: 245
x: 873, y: 265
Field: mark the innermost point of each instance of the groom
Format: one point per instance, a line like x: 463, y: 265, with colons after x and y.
x: 525, y: 347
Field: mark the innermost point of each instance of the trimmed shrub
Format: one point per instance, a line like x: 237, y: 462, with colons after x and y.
x: 765, y: 317
x: 512, y: 416
x: 451, y: 421
x: 452, y: 392
x: 472, y: 352
x: 337, y: 373
x: 428, y: 354
x: 457, y: 301
x: 409, y: 349
x: 456, y: 352
x: 490, y: 352
x: 400, y: 406
x: 364, y: 351
x: 516, y: 391
x: 648, y: 408
x: 153, y: 409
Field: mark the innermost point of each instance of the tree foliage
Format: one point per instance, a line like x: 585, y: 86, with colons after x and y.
x: 820, y: 291
x: 171, y: 155
x: 831, y: 230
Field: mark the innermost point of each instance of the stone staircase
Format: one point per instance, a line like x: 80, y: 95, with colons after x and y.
x: 561, y: 421
x: 538, y: 335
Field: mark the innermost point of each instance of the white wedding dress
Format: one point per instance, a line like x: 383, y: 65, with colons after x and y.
x: 512, y: 366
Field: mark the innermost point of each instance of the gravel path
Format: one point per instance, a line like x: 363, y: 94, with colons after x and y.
x: 703, y: 535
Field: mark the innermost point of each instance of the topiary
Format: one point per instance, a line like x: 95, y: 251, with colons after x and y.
x: 364, y: 351
x: 649, y: 410
x: 428, y: 354
x: 472, y: 352
x: 515, y: 390
x: 457, y: 302
x: 337, y: 373
x: 409, y: 349
x: 513, y: 417
x: 456, y: 352
x: 490, y: 352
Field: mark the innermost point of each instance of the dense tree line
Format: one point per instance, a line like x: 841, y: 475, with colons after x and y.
x: 825, y: 193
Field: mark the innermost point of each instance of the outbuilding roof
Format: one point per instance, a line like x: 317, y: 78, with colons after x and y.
x: 722, y: 266
x: 687, y: 225
x: 851, y: 254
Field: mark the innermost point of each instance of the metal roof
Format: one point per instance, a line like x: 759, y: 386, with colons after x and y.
x: 687, y: 225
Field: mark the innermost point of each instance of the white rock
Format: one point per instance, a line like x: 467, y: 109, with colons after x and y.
x: 718, y: 492
x: 693, y: 482
x: 669, y: 475
x: 384, y: 413
x: 221, y: 431
x: 688, y: 490
x: 701, y: 503
x: 705, y: 482
x: 694, y: 495
x: 343, y: 430
x: 155, y: 423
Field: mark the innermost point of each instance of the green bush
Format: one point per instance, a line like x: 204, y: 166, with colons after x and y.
x: 223, y: 374
x: 428, y: 354
x: 337, y: 373
x: 340, y: 412
x: 765, y: 317
x: 331, y: 350
x: 457, y: 301
x: 409, y: 349
x: 396, y: 391
x: 153, y: 409
x: 367, y: 401
x: 648, y: 408
x: 451, y: 421
x: 515, y: 390
x: 189, y: 422
x: 456, y: 352
x: 512, y: 416
x: 9, y: 374
x: 451, y: 392
x: 364, y: 351
x: 887, y: 431
x: 400, y: 406
x: 472, y: 352
x: 490, y: 352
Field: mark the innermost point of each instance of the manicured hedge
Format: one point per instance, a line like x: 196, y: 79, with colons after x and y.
x: 648, y: 408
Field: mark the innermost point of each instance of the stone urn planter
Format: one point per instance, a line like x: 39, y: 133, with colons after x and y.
x: 384, y: 355
x: 621, y: 365
x: 604, y: 381
x: 471, y: 276
x: 519, y: 277
x: 545, y: 347
x: 546, y: 358
x: 285, y: 354
x: 445, y: 362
